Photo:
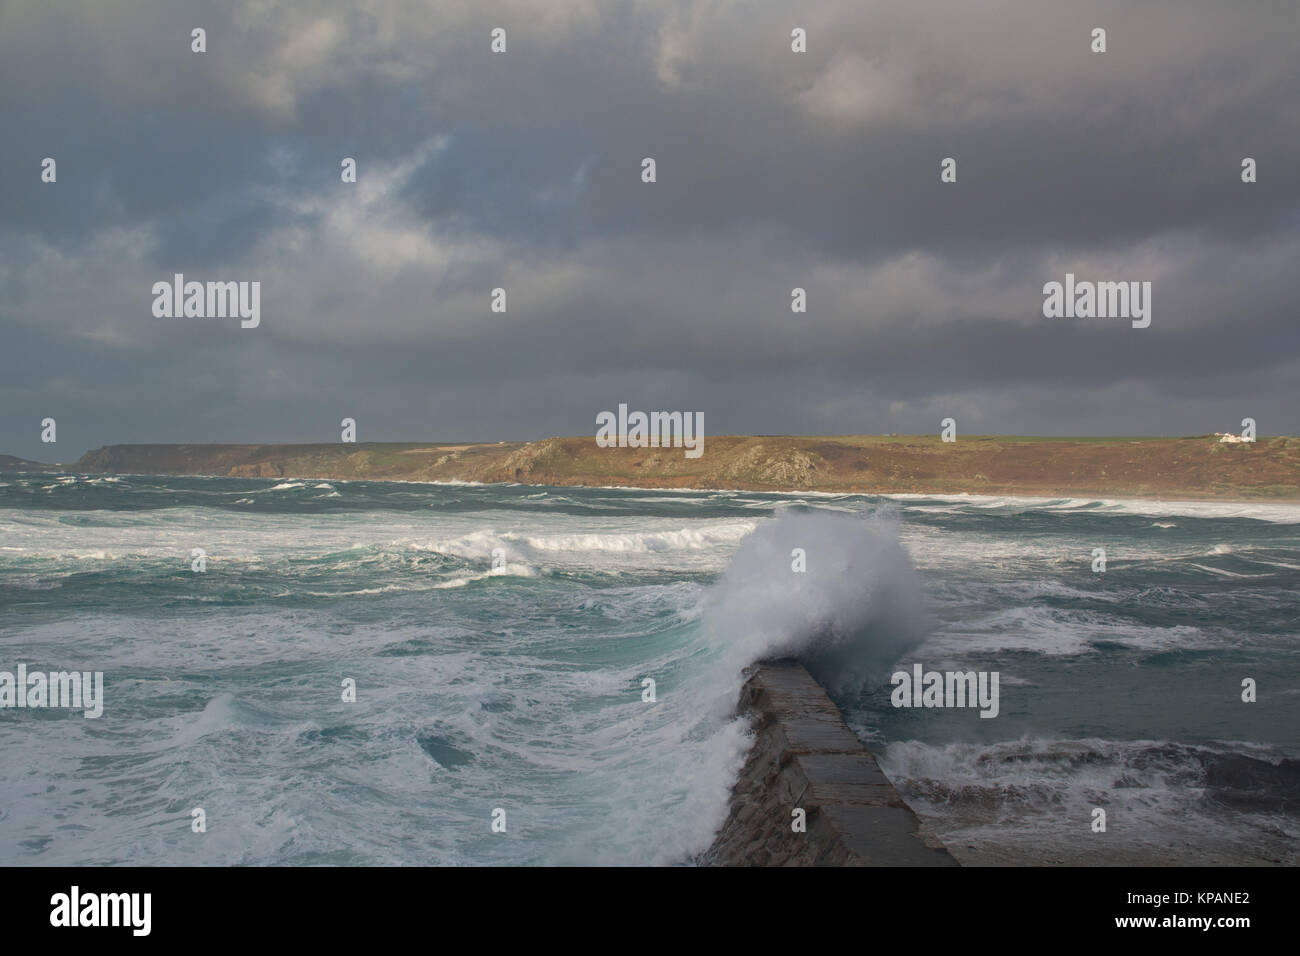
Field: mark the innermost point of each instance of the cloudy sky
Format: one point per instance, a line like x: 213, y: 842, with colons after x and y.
x: 523, y: 170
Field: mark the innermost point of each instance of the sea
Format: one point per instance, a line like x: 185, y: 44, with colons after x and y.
x: 309, y: 672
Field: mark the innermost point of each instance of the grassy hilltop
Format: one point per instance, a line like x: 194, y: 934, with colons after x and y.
x: 1196, y: 467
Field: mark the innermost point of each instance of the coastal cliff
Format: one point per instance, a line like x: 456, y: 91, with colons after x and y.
x: 805, y: 757
x: 1200, y: 467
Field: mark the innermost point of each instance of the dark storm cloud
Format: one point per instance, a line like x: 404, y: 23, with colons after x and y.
x: 521, y: 170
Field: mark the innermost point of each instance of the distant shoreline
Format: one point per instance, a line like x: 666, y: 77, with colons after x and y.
x: 1148, y: 469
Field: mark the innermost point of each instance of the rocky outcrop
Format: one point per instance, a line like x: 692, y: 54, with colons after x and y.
x: 532, y: 459
x: 806, y: 757
x: 763, y: 465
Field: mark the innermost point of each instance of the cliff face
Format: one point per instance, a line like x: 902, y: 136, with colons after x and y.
x: 1153, y: 467
x: 805, y: 757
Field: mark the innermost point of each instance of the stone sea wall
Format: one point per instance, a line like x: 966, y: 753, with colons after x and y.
x: 806, y: 757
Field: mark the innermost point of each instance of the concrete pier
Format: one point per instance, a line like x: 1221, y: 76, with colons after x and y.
x: 805, y: 756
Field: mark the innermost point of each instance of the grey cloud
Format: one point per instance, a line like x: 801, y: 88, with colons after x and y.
x: 522, y: 170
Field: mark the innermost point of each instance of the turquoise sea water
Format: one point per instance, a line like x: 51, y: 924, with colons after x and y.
x: 519, y: 687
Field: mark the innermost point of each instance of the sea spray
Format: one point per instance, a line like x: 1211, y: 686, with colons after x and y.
x: 835, y: 590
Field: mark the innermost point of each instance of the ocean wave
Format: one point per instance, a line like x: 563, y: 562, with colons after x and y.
x: 505, y: 571
x: 850, y: 614
x: 478, y: 544
x: 1280, y: 513
x: 1060, y: 632
x: 1224, y: 573
x: 230, y: 680
x: 1034, y: 796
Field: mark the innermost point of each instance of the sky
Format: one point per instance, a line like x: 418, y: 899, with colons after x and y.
x: 522, y: 170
